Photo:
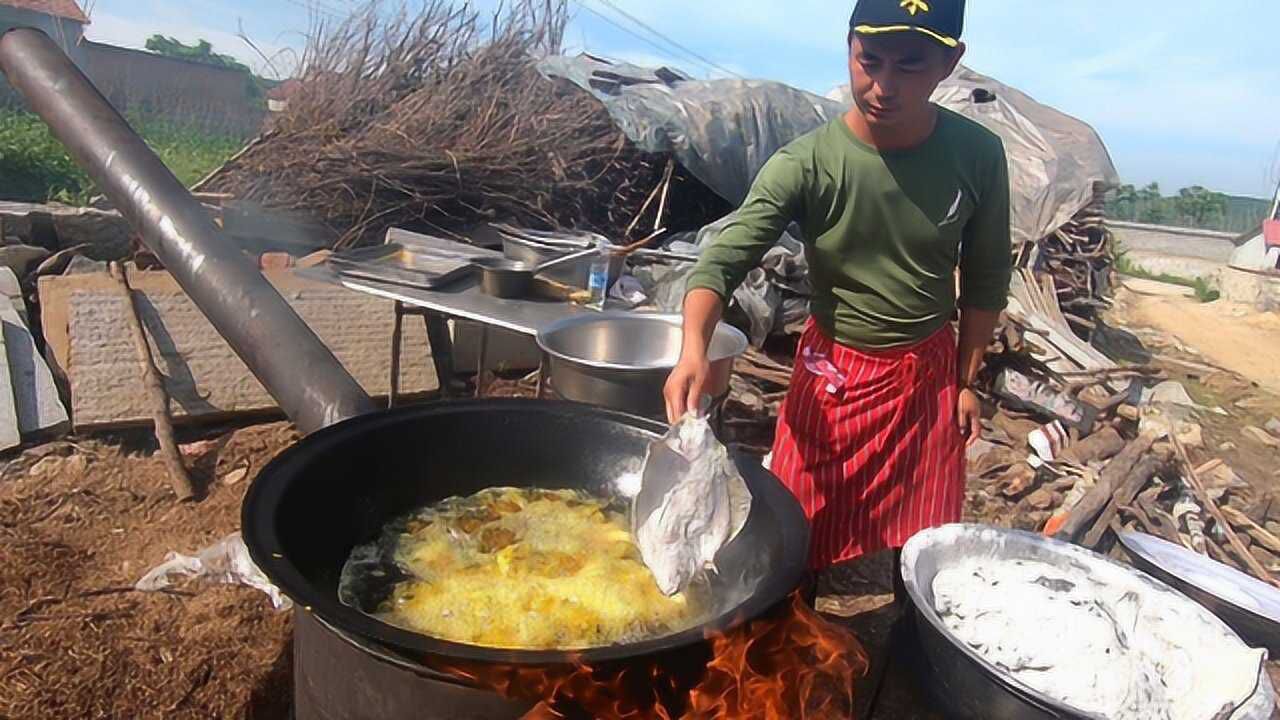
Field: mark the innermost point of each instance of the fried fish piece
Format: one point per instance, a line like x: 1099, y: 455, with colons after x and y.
x: 494, y: 539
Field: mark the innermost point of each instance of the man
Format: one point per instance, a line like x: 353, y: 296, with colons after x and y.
x: 892, y: 199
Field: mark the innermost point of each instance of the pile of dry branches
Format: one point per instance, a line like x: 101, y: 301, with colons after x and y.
x: 1080, y: 257
x: 438, y: 119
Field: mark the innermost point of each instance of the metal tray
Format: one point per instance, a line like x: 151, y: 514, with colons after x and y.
x: 1246, y: 604
x: 394, y: 263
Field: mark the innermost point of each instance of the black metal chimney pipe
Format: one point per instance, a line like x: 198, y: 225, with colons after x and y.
x: 303, y: 376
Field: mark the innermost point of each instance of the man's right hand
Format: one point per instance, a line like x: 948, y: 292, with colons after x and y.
x: 686, y: 386
x: 688, y: 381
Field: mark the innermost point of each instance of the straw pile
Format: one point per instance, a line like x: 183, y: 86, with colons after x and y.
x: 437, y: 119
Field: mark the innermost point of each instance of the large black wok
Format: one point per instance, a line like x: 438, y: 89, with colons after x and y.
x: 338, y: 487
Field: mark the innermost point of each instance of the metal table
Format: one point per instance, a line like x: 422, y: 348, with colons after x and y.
x: 462, y: 300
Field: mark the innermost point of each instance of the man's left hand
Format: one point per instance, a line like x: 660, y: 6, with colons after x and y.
x: 969, y: 416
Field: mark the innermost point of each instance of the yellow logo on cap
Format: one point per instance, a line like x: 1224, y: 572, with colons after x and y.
x: 915, y: 6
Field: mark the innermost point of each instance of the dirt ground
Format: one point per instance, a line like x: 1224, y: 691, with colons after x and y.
x: 1228, y: 358
x: 79, y: 524
x: 1229, y: 335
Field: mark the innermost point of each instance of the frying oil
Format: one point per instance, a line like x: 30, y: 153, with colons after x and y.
x: 520, y: 569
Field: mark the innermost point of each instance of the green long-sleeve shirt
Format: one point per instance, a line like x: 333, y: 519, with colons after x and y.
x: 884, y: 231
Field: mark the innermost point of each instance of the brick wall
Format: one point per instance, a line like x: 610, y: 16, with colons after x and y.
x: 190, y: 93
x: 142, y: 83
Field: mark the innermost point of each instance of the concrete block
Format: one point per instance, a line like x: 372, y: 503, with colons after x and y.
x: 12, y: 289
x: 1142, y: 286
x: 55, y: 226
x: 1190, y: 268
x: 21, y: 259
x: 10, y: 437
x: 1174, y: 242
x: 39, y: 410
x: 84, y: 326
x: 1259, y: 290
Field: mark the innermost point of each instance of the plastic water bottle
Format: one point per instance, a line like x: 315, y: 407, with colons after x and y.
x: 598, y: 277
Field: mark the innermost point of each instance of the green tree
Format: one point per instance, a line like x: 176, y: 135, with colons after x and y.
x: 1201, y: 208
x: 201, y: 52
x: 1151, y: 205
x: 1124, y: 203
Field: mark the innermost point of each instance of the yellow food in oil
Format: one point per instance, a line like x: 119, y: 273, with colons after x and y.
x: 529, y: 569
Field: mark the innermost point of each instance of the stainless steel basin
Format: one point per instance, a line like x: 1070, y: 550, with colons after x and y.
x: 622, y: 360
x: 973, y: 687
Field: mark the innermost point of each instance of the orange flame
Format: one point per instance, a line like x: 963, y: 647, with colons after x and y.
x: 798, y: 666
x: 789, y: 665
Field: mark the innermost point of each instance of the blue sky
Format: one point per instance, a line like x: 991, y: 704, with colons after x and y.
x: 1181, y: 94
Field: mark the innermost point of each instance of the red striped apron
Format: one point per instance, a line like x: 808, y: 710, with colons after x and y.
x: 868, y: 442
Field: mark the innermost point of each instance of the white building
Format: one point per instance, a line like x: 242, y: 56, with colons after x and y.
x: 62, y: 20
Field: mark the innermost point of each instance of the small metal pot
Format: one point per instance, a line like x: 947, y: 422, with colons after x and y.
x: 504, y: 278
x: 621, y: 360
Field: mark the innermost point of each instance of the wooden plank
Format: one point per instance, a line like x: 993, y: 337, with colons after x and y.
x: 38, y: 406
x: 1139, y: 476
x: 1197, y: 487
x: 85, y: 328
x: 1102, y: 445
x: 1259, y: 534
x: 1084, y: 513
x: 1150, y: 524
x: 1166, y: 521
x: 1044, y: 316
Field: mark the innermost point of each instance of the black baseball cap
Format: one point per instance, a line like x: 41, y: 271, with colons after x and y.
x: 942, y: 20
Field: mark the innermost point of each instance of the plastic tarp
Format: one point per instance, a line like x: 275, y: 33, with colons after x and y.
x: 773, y: 296
x: 722, y: 131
